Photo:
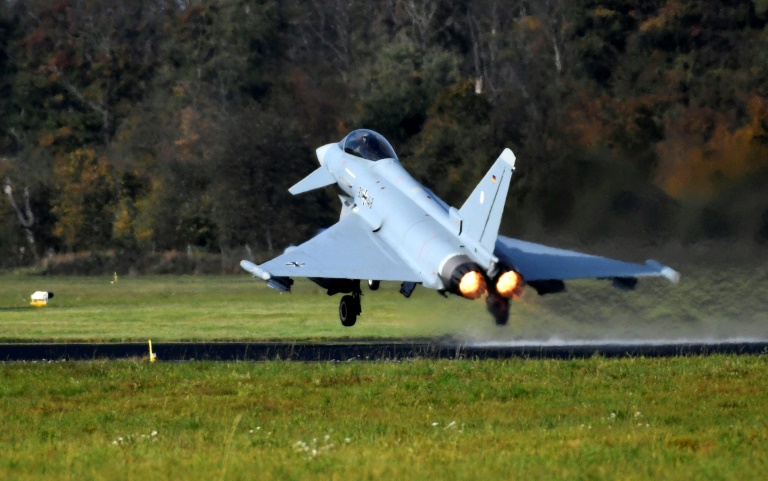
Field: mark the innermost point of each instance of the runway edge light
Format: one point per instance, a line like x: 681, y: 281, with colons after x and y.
x: 40, y: 298
x: 152, y: 355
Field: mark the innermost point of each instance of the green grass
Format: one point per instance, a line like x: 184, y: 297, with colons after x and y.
x: 207, y: 308
x: 681, y: 418
x: 710, y: 301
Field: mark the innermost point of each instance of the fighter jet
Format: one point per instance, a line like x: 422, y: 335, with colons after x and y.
x: 392, y: 228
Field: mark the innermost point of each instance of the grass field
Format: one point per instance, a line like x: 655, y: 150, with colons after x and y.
x: 679, y: 418
x: 710, y: 302
x: 683, y: 418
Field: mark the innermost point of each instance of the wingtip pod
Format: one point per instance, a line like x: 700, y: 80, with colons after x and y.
x: 667, y: 272
x: 672, y: 275
x: 255, y: 270
x: 282, y: 284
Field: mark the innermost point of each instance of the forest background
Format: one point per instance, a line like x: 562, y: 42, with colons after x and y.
x: 144, y: 132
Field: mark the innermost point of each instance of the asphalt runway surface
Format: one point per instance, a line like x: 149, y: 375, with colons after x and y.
x: 373, y: 351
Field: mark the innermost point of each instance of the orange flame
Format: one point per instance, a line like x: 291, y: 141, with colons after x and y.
x: 510, y: 285
x: 472, y: 285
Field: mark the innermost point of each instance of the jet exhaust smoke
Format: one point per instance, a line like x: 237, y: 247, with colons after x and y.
x: 561, y: 342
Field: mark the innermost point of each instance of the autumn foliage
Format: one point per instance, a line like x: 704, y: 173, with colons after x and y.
x: 150, y: 126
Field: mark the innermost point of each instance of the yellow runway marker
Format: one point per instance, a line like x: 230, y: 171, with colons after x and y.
x: 152, y: 355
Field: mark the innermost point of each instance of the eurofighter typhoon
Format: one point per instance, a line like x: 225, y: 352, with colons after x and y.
x: 394, y: 229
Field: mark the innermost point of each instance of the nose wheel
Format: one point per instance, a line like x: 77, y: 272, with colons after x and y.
x: 349, y: 309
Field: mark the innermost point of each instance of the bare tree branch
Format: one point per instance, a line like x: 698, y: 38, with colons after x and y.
x: 26, y: 218
x: 334, y: 33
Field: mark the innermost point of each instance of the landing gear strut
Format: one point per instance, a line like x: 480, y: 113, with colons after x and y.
x: 349, y: 308
x: 498, y: 306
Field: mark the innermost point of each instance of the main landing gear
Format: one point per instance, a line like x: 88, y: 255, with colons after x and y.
x: 350, y: 306
x: 349, y: 309
x: 498, y: 306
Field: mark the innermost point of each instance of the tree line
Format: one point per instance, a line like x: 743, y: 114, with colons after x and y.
x: 145, y: 126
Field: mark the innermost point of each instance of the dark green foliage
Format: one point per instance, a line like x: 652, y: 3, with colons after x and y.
x: 645, y: 119
x: 262, y: 155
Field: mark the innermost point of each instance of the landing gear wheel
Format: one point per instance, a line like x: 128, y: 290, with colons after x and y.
x: 373, y: 285
x: 349, y: 308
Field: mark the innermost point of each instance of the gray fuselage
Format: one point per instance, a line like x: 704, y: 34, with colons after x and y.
x: 400, y: 210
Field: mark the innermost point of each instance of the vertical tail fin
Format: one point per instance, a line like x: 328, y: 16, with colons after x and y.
x: 481, y: 213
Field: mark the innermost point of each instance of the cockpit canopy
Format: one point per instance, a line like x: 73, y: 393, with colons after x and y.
x: 367, y: 144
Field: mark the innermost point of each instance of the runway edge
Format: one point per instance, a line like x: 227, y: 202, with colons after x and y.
x: 346, y: 352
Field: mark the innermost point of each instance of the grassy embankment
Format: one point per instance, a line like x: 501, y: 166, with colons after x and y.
x: 710, y: 302
x: 682, y: 418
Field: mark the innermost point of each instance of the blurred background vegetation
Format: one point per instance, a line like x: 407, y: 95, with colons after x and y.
x: 163, y: 130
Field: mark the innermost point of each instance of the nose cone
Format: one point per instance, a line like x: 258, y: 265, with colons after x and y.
x: 322, y: 151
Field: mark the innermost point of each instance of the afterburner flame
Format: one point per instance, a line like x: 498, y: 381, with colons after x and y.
x: 472, y: 285
x: 509, y: 285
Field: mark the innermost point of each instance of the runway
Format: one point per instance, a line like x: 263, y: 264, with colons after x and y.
x: 340, y: 351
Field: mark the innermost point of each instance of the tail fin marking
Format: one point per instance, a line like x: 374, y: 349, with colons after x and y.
x: 481, y: 212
